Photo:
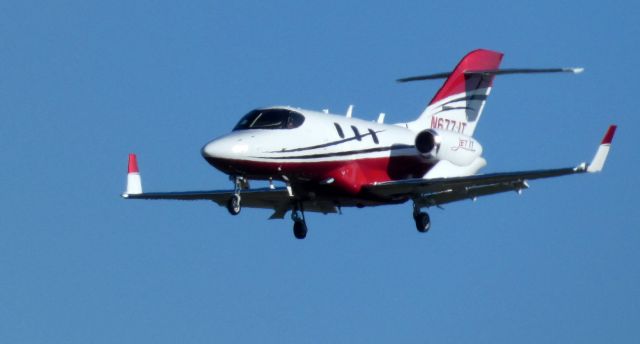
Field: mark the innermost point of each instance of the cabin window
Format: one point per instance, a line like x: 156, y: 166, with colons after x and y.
x: 356, y: 133
x: 339, y: 130
x: 270, y: 119
x: 374, y: 136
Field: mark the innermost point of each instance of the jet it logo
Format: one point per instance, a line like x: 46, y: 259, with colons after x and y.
x: 465, y: 145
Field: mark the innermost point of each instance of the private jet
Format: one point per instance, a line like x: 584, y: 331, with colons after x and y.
x: 326, y: 162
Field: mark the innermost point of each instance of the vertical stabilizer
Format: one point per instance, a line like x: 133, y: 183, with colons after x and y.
x: 458, y: 104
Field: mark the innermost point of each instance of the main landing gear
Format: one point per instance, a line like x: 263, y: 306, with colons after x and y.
x: 423, y: 223
x: 299, y: 223
x: 233, y: 204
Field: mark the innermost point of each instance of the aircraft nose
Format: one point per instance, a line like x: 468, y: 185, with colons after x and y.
x: 212, y: 149
x: 225, y: 148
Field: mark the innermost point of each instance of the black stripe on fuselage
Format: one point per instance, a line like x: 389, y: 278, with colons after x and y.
x: 444, y: 109
x: 467, y: 98
x: 345, y: 153
x: 324, y: 145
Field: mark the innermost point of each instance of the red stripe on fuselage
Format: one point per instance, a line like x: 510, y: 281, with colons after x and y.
x: 348, y: 175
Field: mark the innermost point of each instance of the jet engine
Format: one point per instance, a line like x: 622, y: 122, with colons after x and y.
x: 459, y: 149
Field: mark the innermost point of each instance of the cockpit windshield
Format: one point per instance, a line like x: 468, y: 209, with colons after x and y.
x: 270, y: 119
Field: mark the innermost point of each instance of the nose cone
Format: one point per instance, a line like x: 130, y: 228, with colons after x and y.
x: 215, y: 149
x: 221, y: 151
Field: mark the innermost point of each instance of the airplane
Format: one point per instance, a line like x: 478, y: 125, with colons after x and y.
x: 327, y: 162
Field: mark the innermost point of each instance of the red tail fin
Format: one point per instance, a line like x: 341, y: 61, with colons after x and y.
x: 458, y: 104
x: 458, y: 82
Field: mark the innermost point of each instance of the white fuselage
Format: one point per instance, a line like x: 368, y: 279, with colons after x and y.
x: 331, y: 149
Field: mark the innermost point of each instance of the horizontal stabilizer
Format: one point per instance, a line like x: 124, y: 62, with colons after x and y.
x: 425, y: 77
x: 504, y: 71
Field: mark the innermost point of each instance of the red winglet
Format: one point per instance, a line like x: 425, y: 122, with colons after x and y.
x: 608, y: 137
x: 133, y: 164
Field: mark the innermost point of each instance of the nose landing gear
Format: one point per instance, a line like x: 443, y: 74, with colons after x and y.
x: 233, y: 204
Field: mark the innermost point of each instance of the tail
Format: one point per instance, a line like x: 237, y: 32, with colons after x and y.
x: 459, y: 103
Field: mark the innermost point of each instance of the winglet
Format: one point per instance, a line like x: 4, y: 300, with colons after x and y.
x: 134, y: 182
x: 599, y: 159
x: 133, y: 164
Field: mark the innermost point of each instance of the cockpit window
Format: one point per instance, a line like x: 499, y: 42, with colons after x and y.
x: 270, y: 119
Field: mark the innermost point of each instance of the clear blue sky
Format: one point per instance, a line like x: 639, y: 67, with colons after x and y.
x: 83, y: 83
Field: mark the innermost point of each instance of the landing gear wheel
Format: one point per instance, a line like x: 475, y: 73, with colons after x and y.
x: 423, y: 223
x: 300, y: 229
x: 233, y: 205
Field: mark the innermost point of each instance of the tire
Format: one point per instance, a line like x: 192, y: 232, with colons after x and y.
x: 423, y: 223
x: 233, y: 205
x: 299, y: 229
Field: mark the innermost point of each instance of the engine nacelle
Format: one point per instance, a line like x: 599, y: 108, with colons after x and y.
x: 456, y: 148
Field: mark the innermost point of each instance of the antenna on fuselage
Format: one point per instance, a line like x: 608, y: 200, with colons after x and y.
x: 349, y: 111
x: 325, y: 111
x: 381, y: 118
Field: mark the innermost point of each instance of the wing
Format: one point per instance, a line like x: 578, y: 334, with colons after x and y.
x: 257, y: 198
x: 425, y: 192
x: 277, y: 199
x: 433, y: 192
